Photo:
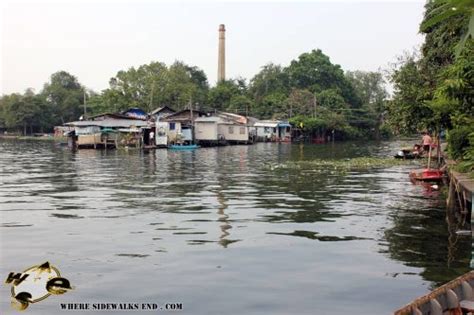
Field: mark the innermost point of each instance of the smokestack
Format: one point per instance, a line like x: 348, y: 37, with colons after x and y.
x: 221, y: 58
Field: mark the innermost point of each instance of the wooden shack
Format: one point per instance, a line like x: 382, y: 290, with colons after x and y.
x: 161, y: 112
x: 222, y: 128
x: 181, y: 124
x: 206, y: 130
x: 273, y: 131
x: 105, y: 131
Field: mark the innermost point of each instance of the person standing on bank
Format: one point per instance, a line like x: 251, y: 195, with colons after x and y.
x: 426, y: 141
x: 152, y: 138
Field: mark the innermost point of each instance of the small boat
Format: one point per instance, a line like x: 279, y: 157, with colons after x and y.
x: 455, y: 297
x: 409, y: 153
x: 406, y: 155
x: 427, y: 175
x: 183, y: 146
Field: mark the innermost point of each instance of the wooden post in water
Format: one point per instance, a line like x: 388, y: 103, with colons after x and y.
x: 429, y: 158
x: 472, y: 232
x: 439, y: 149
x: 450, y: 201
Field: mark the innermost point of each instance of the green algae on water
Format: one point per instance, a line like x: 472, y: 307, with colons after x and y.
x: 344, y: 165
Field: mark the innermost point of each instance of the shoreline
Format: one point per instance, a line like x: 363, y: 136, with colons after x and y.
x: 39, y: 138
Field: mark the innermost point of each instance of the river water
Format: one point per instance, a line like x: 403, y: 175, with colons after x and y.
x: 228, y: 230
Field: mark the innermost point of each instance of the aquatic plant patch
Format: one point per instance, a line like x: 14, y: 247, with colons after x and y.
x: 344, y: 165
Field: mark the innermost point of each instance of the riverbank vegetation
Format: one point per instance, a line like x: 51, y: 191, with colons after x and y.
x: 316, y: 95
x: 435, y: 90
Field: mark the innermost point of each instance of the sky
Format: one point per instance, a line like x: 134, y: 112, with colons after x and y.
x: 93, y: 40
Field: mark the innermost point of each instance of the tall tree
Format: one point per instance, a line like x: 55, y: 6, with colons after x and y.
x: 408, y: 111
x: 370, y: 88
x: 65, y: 95
x: 315, y: 72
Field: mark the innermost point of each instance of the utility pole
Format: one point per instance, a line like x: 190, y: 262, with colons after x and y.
x: 151, y: 96
x: 314, y: 106
x: 85, y: 104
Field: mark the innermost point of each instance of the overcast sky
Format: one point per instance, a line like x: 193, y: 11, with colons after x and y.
x: 94, y: 39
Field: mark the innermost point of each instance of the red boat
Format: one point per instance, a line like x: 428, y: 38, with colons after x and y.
x: 427, y: 174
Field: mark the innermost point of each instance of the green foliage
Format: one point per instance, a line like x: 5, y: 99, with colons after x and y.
x: 271, y: 79
x: 315, y: 72
x: 25, y: 113
x: 153, y: 85
x: 467, y: 165
x: 221, y: 95
x: 386, y: 131
x: 272, y: 106
x: 440, y: 11
x: 331, y: 99
x: 408, y: 112
x: 437, y: 90
x: 65, y: 96
x: 311, y: 90
x: 301, y: 102
x: 459, y: 141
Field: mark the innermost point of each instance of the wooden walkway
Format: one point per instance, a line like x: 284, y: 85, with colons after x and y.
x: 464, y: 183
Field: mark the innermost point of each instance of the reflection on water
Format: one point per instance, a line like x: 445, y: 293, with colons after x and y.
x: 187, y: 227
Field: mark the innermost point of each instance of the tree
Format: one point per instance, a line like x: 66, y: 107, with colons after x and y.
x: 65, y: 95
x: 408, y: 110
x: 301, y: 102
x: 28, y: 112
x: 271, y: 79
x: 154, y: 84
x: 370, y: 89
x: 441, y: 11
x: 272, y: 106
x: 315, y: 72
x: 221, y: 95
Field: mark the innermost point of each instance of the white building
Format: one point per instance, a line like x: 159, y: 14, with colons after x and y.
x: 273, y: 130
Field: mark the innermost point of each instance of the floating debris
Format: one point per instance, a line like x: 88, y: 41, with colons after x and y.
x: 66, y: 216
x: 132, y: 255
x: 322, y: 238
x: 15, y: 224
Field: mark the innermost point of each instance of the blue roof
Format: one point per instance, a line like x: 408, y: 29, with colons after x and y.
x: 135, y: 113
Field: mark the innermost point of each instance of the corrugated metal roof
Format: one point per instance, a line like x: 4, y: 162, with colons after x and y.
x: 271, y: 124
x: 159, y: 109
x: 109, y: 123
x: 208, y: 119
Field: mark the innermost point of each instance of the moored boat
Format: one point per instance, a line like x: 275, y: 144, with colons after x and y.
x: 183, y: 146
x: 427, y: 175
x: 455, y: 297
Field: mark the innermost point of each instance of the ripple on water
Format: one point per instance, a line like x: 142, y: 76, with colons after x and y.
x: 258, y: 225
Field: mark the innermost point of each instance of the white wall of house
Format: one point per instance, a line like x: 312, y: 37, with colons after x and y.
x: 161, y: 133
x: 266, y: 131
x: 233, y: 132
x: 88, y: 130
x: 205, y: 130
x: 174, y: 132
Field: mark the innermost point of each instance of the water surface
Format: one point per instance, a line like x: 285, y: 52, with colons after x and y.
x: 228, y: 230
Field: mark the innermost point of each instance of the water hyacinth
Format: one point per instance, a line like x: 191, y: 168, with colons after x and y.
x: 342, y: 165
